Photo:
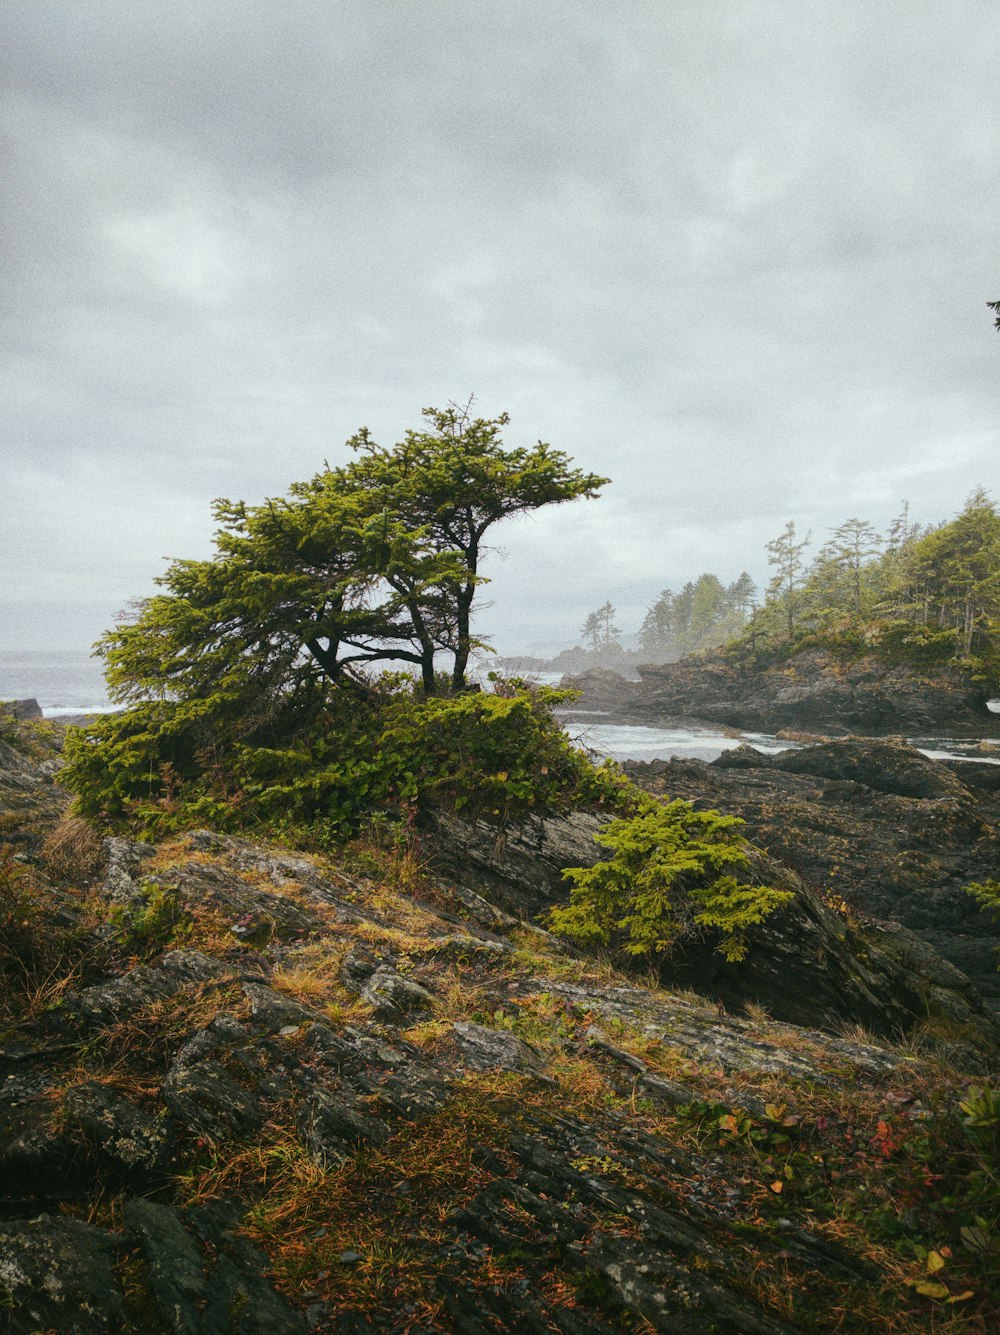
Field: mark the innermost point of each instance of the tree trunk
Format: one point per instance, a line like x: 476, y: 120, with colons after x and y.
x: 462, y: 646
x: 325, y: 658
x: 427, y: 678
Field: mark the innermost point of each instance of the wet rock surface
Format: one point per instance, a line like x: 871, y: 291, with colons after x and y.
x: 877, y: 824
x: 395, y: 1105
x: 813, y: 691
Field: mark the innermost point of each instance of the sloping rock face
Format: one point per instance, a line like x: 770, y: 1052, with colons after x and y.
x: 280, y: 1093
x: 184, y: 1069
x: 808, y: 963
x: 30, y: 801
x: 813, y: 691
x: 877, y: 824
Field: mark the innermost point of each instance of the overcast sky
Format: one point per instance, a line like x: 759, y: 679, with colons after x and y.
x: 733, y: 255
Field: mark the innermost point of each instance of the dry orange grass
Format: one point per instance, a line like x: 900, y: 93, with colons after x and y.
x: 73, y: 851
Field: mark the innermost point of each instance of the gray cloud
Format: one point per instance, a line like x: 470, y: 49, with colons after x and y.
x: 735, y: 257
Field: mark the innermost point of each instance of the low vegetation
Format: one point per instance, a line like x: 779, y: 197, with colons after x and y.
x: 670, y: 873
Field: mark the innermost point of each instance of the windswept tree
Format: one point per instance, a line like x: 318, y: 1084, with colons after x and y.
x: 373, y: 562
x: 451, y: 482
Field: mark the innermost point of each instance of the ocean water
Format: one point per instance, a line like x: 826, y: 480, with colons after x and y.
x: 62, y: 681
x: 72, y: 682
x: 626, y: 741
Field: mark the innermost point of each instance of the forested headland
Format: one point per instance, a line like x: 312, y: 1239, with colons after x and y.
x: 919, y: 593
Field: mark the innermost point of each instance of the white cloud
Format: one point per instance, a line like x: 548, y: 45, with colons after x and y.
x: 735, y: 257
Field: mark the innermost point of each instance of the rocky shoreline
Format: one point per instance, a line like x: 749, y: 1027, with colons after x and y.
x: 814, y: 692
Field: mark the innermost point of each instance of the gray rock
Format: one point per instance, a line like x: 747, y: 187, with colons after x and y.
x: 23, y: 710
x: 125, y: 858
x: 206, y: 1100
x: 273, y: 1012
x: 121, y: 1132
x: 495, y: 1050
x: 394, y: 996
x: 333, y: 1127
x: 196, y: 1296
x: 356, y: 969
x: 56, y: 1275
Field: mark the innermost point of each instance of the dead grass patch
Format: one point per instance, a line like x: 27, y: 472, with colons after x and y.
x: 73, y: 851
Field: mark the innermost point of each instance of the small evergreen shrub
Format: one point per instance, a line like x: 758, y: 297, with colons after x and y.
x: 147, y: 927
x: 673, y: 872
x: 319, y: 775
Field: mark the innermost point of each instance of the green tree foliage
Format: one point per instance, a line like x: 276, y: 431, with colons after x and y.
x: 987, y: 896
x: 704, y: 615
x: 375, y: 561
x: 742, y: 595
x: 956, y: 571
x: 673, y: 872
x: 784, y: 593
x: 599, y: 632
x: 709, y: 606
x: 656, y: 634
x: 921, y: 595
x: 251, y: 677
x: 451, y: 482
x: 320, y: 775
x: 837, y: 576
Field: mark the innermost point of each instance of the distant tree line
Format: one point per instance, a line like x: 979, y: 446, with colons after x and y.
x: 704, y: 615
x: 921, y: 592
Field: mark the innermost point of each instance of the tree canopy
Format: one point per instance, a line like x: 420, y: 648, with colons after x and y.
x: 924, y: 594
x: 378, y: 560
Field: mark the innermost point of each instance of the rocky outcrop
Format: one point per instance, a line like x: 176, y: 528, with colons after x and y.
x: 233, y: 1062
x: 813, y: 691
x: 255, y: 1090
x: 808, y: 963
x: 892, y: 834
x: 21, y: 710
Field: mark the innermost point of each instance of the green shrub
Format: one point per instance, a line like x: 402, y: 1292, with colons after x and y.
x: 670, y: 875
x: 323, y: 772
x: 146, y: 928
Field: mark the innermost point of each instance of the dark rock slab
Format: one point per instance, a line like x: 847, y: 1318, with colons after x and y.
x: 219, y: 1292
x: 129, y: 1138
x: 56, y: 1274
x: 895, y: 834
x: 485, y: 1049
